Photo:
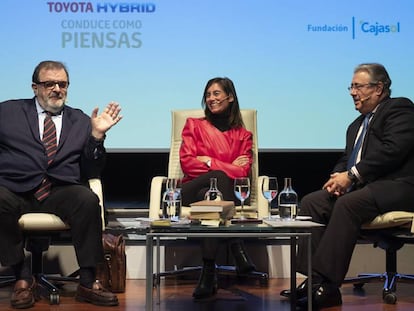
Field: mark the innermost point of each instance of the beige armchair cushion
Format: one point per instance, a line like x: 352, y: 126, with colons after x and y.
x: 391, y: 219
x: 41, y: 221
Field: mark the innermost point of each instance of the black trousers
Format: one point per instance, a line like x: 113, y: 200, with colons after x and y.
x: 195, y: 190
x: 75, y: 204
x: 333, y: 244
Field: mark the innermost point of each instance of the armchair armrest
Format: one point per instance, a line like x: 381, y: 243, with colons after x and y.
x: 155, y: 196
x: 258, y: 203
x: 262, y: 204
x: 96, y: 186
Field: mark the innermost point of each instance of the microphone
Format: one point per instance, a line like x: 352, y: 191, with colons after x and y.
x: 220, y: 101
x: 365, y: 99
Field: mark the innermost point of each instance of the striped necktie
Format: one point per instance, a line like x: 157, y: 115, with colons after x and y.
x: 50, y: 142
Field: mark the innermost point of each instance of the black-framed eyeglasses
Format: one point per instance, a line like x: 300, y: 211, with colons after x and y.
x: 50, y: 85
x: 358, y: 86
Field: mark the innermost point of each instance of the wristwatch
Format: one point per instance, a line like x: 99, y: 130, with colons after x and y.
x: 352, y: 176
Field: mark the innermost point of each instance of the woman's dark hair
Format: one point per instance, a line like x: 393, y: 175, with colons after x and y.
x: 235, y: 117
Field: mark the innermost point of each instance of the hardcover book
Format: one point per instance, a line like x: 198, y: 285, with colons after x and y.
x: 212, y: 209
x: 210, y: 206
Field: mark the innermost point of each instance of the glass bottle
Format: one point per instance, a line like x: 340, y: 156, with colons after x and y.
x: 171, y: 205
x: 213, y: 194
x: 288, y: 201
x: 168, y: 198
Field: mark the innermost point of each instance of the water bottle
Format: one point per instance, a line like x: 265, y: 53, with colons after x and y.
x: 166, y: 203
x: 213, y: 194
x: 288, y: 201
x: 171, y: 207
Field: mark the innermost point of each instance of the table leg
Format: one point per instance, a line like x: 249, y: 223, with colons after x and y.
x: 293, y: 272
x: 157, y: 271
x: 309, y: 238
x: 149, y: 273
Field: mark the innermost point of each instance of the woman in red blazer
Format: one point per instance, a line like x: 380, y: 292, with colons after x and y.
x: 216, y: 146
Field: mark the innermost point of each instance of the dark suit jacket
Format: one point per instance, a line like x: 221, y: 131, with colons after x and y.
x: 387, y: 155
x: 23, y: 160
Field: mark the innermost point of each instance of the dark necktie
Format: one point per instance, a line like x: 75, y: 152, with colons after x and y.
x: 50, y: 142
x: 352, y: 159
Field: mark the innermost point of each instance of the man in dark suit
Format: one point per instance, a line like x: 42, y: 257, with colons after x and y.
x: 27, y: 168
x: 376, y: 178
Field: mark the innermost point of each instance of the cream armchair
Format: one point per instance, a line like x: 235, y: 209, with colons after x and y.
x: 38, y: 228
x: 258, y: 204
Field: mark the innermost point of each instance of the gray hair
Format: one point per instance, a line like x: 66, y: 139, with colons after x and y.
x: 378, y: 74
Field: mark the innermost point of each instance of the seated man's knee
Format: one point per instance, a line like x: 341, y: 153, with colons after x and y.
x: 89, y: 201
x: 311, y: 200
x: 8, y: 203
x: 346, y: 204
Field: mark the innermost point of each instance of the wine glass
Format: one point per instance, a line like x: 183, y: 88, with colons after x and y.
x: 242, y: 191
x: 270, y: 190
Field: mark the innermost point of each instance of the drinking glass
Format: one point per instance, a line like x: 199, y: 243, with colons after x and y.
x: 242, y: 191
x: 270, y: 190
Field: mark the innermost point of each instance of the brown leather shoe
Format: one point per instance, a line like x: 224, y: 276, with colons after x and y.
x: 96, y: 295
x: 24, y: 294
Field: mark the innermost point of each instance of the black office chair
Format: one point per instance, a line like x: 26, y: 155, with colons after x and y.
x: 39, y: 229
x: 390, y: 232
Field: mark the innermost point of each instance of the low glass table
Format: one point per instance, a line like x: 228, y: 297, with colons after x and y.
x: 265, y: 231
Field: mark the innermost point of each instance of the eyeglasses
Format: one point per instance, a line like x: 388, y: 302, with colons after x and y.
x: 357, y: 86
x: 50, y: 85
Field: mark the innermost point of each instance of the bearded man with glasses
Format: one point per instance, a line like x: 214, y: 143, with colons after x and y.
x: 46, y: 150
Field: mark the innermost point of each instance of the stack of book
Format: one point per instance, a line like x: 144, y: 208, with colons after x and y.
x: 212, y: 210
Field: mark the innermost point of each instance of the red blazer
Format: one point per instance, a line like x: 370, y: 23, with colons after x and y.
x: 200, y: 137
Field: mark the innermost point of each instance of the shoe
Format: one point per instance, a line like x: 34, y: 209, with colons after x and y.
x: 207, y: 284
x: 243, y: 263
x: 325, y: 296
x: 301, y: 290
x: 96, y: 295
x: 24, y: 294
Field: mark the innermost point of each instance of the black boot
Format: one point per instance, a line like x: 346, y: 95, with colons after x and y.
x: 207, y: 284
x: 243, y: 263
